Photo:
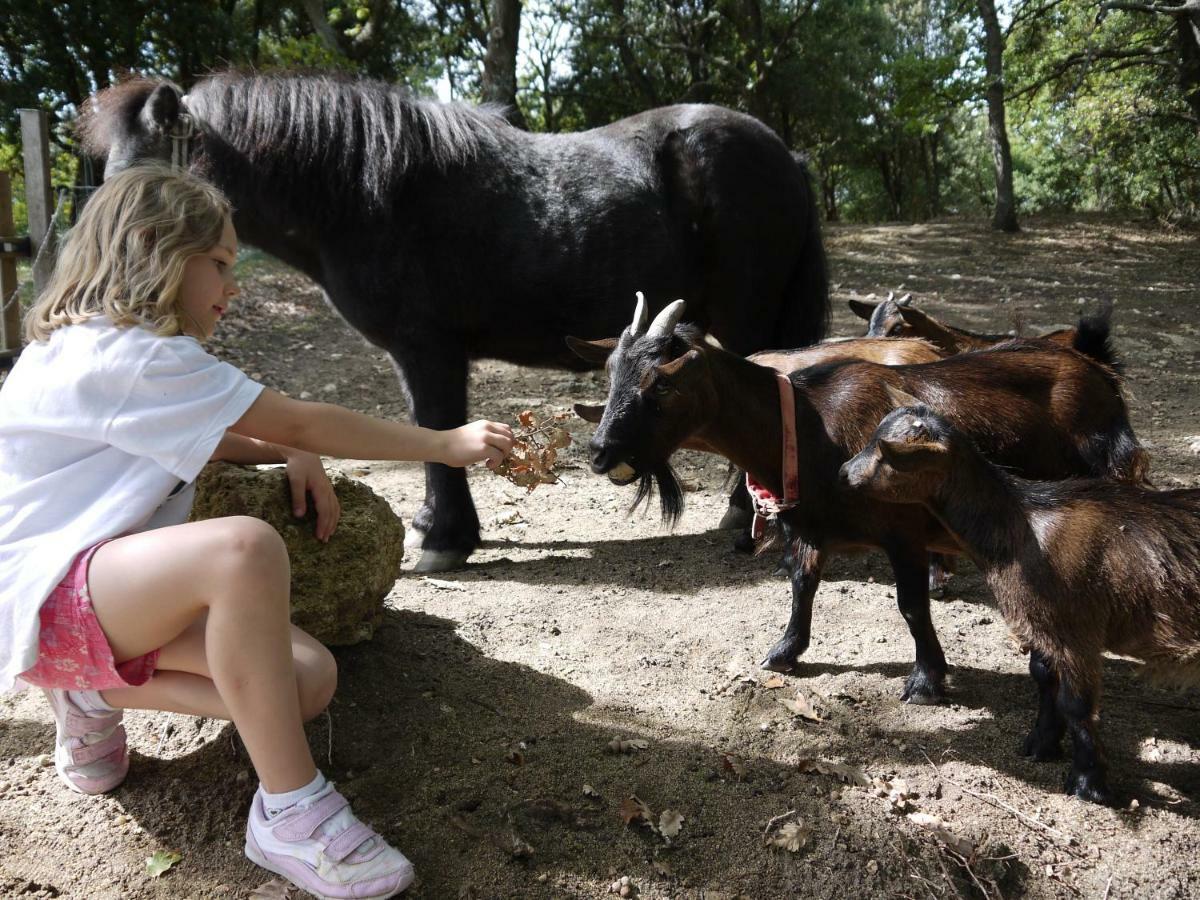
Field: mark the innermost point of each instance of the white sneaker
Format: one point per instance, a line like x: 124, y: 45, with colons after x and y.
x: 320, y: 846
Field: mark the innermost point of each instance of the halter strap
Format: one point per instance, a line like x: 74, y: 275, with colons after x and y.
x: 767, y: 505
x: 182, y: 133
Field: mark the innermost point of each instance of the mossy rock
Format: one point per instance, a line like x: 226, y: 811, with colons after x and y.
x: 338, y: 588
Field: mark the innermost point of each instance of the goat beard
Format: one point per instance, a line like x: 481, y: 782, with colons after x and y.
x: 662, y: 477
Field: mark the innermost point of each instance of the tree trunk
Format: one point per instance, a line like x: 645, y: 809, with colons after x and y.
x: 1005, y: 216
x: 500, y: 61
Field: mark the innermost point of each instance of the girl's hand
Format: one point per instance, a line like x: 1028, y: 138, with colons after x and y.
x: 306, y: 475
x: 479, y: 441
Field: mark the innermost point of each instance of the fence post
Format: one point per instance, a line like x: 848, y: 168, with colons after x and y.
x: 35, y: 144
x: 10, y: 318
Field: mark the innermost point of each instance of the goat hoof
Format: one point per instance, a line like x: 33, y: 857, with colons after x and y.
x: 922, y: 690
x: 744, y: 542
x: 783, y: 657
x: 441, y: 560
x: 735, y: 517
x: 1040, y: 749
x: 1091, y: 787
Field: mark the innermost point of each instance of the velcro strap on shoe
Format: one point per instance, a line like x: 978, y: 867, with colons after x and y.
x: 77, y: 724
x: 90, y: 753
x: 348, y: 841
x: 300, y: 827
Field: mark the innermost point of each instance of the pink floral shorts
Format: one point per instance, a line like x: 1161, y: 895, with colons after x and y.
x: 73, y: 652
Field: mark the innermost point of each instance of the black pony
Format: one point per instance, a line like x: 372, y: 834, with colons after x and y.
x: 443, y: 234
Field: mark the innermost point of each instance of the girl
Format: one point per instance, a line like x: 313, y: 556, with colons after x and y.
x: 106, y: 602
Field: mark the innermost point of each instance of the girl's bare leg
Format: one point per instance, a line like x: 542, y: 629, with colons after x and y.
x: 182, y: 682
x: 149, y: 589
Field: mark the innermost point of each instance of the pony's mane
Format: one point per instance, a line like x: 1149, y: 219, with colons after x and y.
x: 363, y: 134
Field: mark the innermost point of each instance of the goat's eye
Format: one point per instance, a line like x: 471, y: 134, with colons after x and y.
x: 661, y: 388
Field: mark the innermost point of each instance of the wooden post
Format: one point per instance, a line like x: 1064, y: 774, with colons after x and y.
x: 35, y: 144
x: 10, y: 317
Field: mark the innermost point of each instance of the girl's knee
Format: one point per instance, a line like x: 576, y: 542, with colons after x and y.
x: 317, y: 677
x: 246, y: 543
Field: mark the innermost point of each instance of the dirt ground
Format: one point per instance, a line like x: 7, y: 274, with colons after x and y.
x: 473, y: 729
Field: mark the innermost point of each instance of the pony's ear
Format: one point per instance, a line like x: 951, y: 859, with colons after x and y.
x: 863, y: 310
x: 589, y: 413
x: 592, y: 351
x: 913, y: 457
x: 161, y: 108
x: 899, y: 398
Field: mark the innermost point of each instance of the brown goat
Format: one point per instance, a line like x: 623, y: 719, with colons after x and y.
x: 899, y: 318
x: 1064, y: 416
x: 1077, y: 567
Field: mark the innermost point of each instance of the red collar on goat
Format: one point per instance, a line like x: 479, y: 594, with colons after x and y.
x: 766, y: 504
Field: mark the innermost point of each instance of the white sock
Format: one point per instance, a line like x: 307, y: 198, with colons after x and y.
x: 90, y: 701
x: 274, y: 804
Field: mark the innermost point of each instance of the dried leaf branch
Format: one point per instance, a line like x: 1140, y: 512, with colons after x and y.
x: 534, y: 452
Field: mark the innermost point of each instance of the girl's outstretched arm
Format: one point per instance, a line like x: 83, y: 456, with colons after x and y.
x: 336, y: 431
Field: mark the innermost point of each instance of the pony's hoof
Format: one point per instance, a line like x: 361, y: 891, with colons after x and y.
x: 1089, y: 786
x: 921, y: 689
x: 735, y: 517
x: 441, y: 560
x: 413, y: 538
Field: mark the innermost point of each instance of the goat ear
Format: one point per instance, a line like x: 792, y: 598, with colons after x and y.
x: 862, y: 310
x: 671, y: 368
x: 904, y: 457
x: 899, y: 398
x: 589, y: 413
x: 592, y: 351
x: 913, y: 316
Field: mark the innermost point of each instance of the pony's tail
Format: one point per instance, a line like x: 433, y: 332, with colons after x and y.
x: 805, y: 318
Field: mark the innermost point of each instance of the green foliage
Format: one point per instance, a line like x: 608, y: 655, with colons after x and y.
x: 884, y: 97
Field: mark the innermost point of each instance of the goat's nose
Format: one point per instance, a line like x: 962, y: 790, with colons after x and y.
x: 602, y: 457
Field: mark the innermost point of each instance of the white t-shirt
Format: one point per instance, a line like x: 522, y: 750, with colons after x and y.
x: 98, y: 426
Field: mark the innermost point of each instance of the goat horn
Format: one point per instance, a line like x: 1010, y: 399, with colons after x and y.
x: 664, y: 323
x: 905, y: 300
x: 639, y: 317
x: 891, y: 294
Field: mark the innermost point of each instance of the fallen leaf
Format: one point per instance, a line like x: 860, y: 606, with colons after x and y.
x: 516, y: 757
x: 774, y: 682
x: 669, y: 823
x: 733, y: 764
x: 442, y: 585
x: 275, y: 889
x: 792, y: 836
x: 847, y: 773
x: 161, y: 861
x: 512, y: 844
x: 619, y: 745
x: 938, y: 829
x: 663, y: 869
x: 634, y: 810
x: 801, y: 707
x: 894, y: 790
x: 589, y: 791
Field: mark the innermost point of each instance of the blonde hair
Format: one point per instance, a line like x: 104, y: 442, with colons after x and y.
x: 125, y: 256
